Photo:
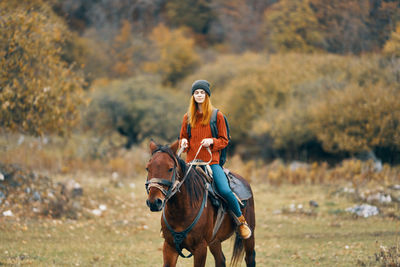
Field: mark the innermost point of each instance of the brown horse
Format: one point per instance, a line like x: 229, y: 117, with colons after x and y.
x: 188, y: 215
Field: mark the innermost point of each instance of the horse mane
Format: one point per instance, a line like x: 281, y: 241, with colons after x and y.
x: 194, y: 182
x: 194, y: 186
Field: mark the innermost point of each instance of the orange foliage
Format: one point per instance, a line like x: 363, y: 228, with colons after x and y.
x: 39, y: 92
x: 122, y: 52
x: 175, y: 54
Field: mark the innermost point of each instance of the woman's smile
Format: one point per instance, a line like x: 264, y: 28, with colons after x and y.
x: 199, y: 96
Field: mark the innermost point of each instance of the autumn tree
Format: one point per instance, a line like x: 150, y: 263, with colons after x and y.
x: 383, y: 17
x: 174, y: 54
x: 392, y: 46
x: 122, y: 51
x: 239, y: 23
x: 39, y: 92
x: 197, y: 15
x: 292, y: 26
x: 344, y: 24
x: 106, y: 15
x: 355, y: 26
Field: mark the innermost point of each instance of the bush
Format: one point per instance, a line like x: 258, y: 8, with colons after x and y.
x: 137, y: 108
x: 358, y: 119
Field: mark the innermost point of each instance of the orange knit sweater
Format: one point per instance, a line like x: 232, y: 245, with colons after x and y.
x: 198, y: 133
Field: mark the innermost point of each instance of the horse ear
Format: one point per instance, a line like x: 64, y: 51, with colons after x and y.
x: 153, y: 146
x: 174, y: 146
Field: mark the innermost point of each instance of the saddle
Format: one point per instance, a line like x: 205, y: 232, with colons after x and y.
x: 241, y: 190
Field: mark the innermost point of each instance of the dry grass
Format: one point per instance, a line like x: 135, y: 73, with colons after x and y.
x: 127, y: 233
x: 54, y: 155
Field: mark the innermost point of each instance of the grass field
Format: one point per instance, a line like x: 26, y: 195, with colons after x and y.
x: 127, y: 233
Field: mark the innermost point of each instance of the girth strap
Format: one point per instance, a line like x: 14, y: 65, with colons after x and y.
x: 180, y: 236
x: 218, y: 222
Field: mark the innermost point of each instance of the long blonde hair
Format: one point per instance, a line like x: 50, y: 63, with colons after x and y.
x: 192, y: 110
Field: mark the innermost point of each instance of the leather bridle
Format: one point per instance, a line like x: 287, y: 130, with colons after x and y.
x: 160, y: 183
x: 174, y: 184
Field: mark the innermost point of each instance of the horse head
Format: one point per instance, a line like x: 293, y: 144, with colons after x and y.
x: 162, y: 174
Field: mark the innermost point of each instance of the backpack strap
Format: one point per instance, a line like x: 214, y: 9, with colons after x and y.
x: 213, y: 123
x: 189, y: 131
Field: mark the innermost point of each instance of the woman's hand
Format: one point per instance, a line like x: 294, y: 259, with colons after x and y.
x: 184, y: 143
x: 207, y: 142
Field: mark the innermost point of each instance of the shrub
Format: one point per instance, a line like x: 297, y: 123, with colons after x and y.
x: 358, y: 119
x: 137, y: 109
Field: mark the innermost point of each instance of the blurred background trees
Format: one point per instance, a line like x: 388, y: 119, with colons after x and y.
x: 174, y: 56
x: 38, y: 89
x: 307, y: 79
x: 392, y: 46
x: 292, y: 26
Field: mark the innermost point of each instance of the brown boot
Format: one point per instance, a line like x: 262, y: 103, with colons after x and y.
x: 244, y: 229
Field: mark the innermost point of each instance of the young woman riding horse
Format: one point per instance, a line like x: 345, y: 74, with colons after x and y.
x: 199, y: 116
x: 189, y: 219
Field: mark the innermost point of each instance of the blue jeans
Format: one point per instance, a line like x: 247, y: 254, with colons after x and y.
x: 221, y: 182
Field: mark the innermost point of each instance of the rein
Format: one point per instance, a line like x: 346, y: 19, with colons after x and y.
x: 193, y: 162
x: 173, y: 188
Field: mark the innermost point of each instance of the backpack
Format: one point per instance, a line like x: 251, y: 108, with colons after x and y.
x: 214, y: 132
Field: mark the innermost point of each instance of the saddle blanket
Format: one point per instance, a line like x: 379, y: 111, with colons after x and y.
x: 241, y: 189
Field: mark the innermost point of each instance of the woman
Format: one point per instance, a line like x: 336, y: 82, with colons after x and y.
x: 198, y: 116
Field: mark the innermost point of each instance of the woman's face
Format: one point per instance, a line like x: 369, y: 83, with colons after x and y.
x: 199, y: 96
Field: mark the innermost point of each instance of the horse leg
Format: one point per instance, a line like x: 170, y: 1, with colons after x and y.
x: 216, y: 250
x: 200, y: 255
x: 170, y: 256
x: 250, y: 252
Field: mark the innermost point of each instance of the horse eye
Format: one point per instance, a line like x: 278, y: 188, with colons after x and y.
x: 147, y: 169
x: 170, y: 170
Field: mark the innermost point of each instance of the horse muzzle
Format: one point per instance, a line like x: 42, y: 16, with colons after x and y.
x: 155, y: 205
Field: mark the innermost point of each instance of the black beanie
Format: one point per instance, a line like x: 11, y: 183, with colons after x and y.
x: 201, y: 84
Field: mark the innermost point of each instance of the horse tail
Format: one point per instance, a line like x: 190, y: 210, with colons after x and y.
x: 238, y: 251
